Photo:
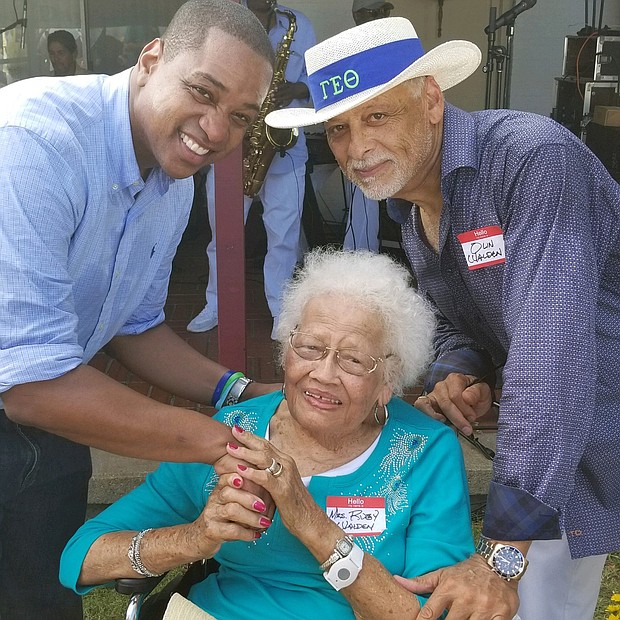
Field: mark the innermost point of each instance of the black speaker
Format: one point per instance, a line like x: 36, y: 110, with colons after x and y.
x: 605, y: 144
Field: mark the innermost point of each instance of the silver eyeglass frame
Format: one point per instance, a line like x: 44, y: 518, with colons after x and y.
x: 326, y: 350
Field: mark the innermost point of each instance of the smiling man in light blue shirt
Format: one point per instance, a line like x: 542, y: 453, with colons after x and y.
x: 96, y: 185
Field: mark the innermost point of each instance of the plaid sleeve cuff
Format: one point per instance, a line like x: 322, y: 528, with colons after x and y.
x: 514, y: 514
x: 466, y: 361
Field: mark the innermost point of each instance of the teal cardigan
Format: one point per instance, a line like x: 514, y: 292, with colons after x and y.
x: 416, y: 467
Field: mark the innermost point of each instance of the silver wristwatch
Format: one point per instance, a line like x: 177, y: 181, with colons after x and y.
x: 344, y: 564
x: 342, y: 548
x: 505, y: 560
x: 236, y: 390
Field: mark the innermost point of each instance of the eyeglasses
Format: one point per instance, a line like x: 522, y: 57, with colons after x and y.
x: 312, y: 349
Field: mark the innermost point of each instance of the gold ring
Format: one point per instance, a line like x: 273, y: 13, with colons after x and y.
x: 275, y: 469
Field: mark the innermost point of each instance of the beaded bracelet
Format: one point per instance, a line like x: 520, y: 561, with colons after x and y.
x: 133, y: 553
x: 220, y: 386
x: 229, y: 384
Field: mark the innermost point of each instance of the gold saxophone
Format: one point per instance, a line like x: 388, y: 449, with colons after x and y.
x: 261, y: 141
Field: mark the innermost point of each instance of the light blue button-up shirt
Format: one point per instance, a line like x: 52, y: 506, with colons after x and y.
x: 86, y: 246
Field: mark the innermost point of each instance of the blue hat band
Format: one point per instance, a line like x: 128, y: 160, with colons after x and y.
x: 361, y: 71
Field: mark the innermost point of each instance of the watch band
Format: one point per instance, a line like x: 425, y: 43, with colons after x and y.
x: 236, y: 390
x: 485, y: 548
x: 331, y: 560
x: 345, y: 570
x: 342, y: 548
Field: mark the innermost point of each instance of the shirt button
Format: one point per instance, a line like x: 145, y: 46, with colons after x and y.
x: 115, y: 186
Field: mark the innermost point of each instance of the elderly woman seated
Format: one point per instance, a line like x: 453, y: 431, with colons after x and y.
x: 365, y: 485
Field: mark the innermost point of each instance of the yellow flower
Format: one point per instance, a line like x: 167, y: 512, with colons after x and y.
x: 615, y: 598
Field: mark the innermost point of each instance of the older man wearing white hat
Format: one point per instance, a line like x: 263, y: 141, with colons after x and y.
x: 511, y: 226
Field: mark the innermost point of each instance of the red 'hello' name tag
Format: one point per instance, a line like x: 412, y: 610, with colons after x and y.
x: 483, y: 247
x: 358, y: 516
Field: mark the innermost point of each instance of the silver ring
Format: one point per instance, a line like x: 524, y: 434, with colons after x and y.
x: 275, y: 469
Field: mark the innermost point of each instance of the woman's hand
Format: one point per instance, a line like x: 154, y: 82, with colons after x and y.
x: 228, y: 465
x: 458, y: 398
x: 231, y: 513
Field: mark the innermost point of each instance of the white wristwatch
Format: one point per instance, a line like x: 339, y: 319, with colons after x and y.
x: 344, y: 565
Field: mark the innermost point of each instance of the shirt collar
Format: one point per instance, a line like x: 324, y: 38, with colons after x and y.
x: 458, y: 151
x: 119, y: 143
x: 459, y: 141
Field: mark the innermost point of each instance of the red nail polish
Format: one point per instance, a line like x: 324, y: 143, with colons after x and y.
x: 257, y: 535
x: 239, y: 429
x: 233, y: 446
x: 241, y: 467
x: 265, y: 522
x: 237, y: 482
x: 258, y: 506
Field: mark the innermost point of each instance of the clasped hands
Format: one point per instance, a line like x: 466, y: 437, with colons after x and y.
x: 241, y: 506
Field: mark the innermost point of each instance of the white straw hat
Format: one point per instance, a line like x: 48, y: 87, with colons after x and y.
x: 363, y: 62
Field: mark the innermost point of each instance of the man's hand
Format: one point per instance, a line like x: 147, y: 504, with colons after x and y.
x: 285, y: 92
x: 470, y: 590
x: 458, y: 399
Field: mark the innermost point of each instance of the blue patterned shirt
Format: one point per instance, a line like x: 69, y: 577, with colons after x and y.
x: 542, y: 299
x: 86, y: 245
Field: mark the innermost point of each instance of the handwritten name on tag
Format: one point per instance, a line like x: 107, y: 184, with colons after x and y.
x: 358, y: 516
x: 483, y: 247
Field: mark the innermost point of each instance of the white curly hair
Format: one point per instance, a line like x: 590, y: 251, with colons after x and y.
x: 378, y: 283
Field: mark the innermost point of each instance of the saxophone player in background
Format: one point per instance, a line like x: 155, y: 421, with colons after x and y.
x: 282, y: 190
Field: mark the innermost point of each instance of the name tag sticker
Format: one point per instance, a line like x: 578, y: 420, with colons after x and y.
x: 358, y: 516
x: 483, y: 247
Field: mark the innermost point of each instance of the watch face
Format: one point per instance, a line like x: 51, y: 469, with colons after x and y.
x: 508, y: 561
x: 344, y: 546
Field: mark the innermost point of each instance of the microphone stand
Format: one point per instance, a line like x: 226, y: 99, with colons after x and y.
x: 499, y: 60
x: 510, y: 33
x: 490, y: 64
x: 19, y: 22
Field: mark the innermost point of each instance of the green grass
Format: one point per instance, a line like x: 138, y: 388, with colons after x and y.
x: 610, y: 584
x: 107, y: 604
